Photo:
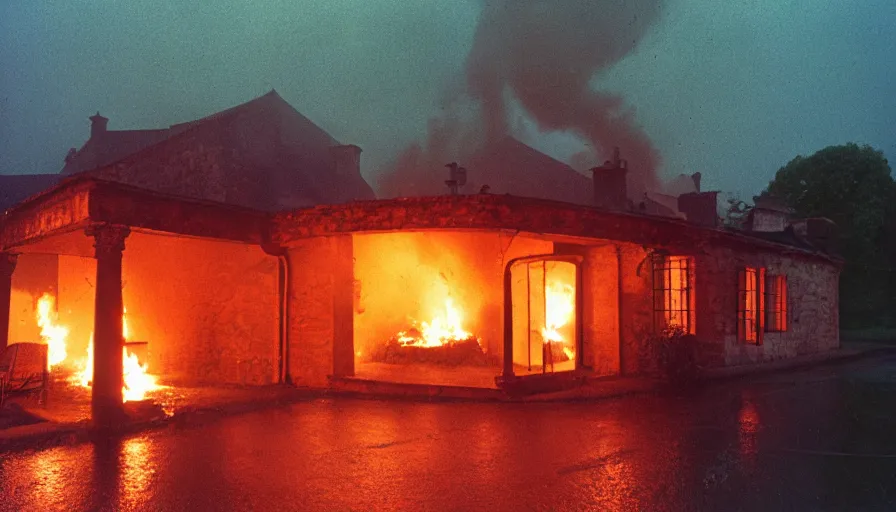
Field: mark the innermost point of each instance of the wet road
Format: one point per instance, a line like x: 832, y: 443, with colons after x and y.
x: 823, y: 439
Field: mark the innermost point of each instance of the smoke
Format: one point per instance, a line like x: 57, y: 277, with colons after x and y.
x: 544, y: 56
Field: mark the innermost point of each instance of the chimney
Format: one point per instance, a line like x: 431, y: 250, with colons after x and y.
x: 98, y: 125
x: 820, y: 232
x: 457, y: 177
x: 696, y: 177
x: 346, y: 160
x: 610, y: 187
x: 700, y: 207
x: 769, y: 215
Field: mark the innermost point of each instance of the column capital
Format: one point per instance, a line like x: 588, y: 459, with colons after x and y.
x: 108, y: 238
x: 8, y: 263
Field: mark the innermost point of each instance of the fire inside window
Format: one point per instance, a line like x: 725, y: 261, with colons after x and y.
x: 776, y: 303
x: 672, y: 293
x: 751, y: 305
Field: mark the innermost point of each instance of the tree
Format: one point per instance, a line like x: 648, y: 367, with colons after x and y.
x: 852, y: 186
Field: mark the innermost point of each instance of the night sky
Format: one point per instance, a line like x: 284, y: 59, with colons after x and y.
x: 731, y: 89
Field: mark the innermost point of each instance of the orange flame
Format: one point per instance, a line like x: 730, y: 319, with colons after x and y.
x: 560, y: 302
x: 137, y: 380
x: 51, y: 333
x: 444, y: 329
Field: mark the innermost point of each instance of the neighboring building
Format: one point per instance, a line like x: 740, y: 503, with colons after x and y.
x: 440, y: 290
x: 262, y: 154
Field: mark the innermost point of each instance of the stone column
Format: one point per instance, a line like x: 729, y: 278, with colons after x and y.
x: 106, y: 398
x: 7, y: 266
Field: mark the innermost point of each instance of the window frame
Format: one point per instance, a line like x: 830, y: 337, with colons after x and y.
x: 776, y: 303
x: 751, y: 285
x: 664, y: 288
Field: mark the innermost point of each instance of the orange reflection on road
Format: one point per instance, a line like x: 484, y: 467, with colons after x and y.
x: 749, y: 424
x: 137, y: 473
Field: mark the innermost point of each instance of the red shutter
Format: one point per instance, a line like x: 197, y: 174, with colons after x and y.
x: 741, y: 305
x: 782, y: 290
x: 760, y: 305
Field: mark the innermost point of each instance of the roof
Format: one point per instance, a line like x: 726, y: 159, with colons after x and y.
x: 16, y: 188
x: 663, y: 205
x: 32, y: 220
x: 509, y: 166
x: 275, y: 147
x: 787, y: 237
x: 110, y: 147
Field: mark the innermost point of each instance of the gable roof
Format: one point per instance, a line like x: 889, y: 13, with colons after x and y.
x: 303, y: 128
x: 110, y: 147
x: 509, y: 166
x: 664, y: 205
x: 283, y: 158
x: 16, y: 188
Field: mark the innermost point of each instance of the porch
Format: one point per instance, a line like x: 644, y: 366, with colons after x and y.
x: 121, y: 282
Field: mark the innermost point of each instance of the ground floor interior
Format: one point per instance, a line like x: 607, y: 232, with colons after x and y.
x: 439, y: 307
x: 195, y: 311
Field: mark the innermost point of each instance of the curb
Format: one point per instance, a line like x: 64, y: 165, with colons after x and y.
x: 826, y: 358
x: 40, y: 436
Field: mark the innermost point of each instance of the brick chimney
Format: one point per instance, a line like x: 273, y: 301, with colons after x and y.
x: 610, y: 186
x: 346, y: 160
x: 769, y: 215
x: 98, y: 125
x: 700, y: 208
x: 820, y: 232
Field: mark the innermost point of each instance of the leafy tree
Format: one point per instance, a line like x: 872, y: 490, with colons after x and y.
x: 851, y: 185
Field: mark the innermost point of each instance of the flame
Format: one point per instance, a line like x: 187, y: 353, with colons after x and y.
x: 137, y: 380
x: 560, y: 301
x: 124, y: 324
x: 51, y: 333
x: 86, y: 375
x: 444, y: 329
x: 560, y: 304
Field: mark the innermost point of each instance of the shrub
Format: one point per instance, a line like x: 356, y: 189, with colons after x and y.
x: 677, y: 356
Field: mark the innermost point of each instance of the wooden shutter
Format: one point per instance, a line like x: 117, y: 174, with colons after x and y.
x: 760, y: 305
x: 782, y: 291
x: 741, y: 305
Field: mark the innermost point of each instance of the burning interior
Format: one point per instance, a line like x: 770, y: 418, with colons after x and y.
x: 429, y: 307
x: 196, y: 311
x: 545, y: 316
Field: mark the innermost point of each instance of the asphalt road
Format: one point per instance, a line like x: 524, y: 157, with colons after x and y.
x: 823, y: 439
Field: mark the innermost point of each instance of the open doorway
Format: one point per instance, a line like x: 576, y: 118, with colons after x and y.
x: 546, y: 315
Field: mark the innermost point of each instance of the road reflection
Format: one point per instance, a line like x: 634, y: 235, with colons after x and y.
x: 777, y: 444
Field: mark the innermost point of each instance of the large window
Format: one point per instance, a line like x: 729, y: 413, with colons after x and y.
x: 672, y: 293
x: 751, y: 305
x: 776, y: 303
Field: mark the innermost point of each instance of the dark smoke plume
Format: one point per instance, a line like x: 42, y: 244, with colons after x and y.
x: 545, y: 54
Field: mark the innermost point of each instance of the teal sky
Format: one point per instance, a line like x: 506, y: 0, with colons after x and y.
x: 731, y: 89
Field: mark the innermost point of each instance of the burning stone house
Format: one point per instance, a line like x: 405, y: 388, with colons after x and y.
x: 247, y: 249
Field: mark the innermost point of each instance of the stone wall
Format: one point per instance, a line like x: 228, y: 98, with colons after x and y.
x: 600, y: 322
x: 208, y: 309
x: 320, y: 309
x: 812, y: 305
x: 77, y: 277
x: 195, y: 166
x: 637, y: 310
x: 35, y: 274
